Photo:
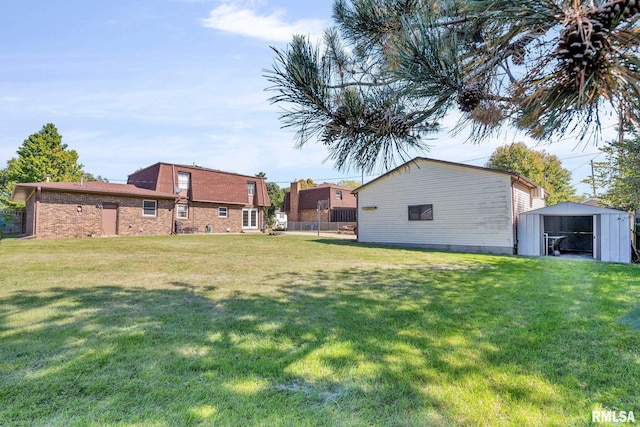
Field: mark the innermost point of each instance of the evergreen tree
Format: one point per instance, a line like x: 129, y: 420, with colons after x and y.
x: 42, y: 154
x: 6, y: 187
x: 539, y: 166
x: 391, y: 69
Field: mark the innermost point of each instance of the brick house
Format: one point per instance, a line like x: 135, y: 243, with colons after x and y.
x: 158, y: 200
x: 338, y: 204
x: 74, y: 209
x: 208, y: 200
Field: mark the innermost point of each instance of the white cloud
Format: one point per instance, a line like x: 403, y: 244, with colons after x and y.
x: 273, y: 27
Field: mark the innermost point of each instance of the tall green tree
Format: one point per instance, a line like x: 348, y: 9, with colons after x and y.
x: 390, y: 70
x: 6, y: 187
x: 619, y: 174
x: 44, y: 154
x: 539, y: 166
x: 276, y: 195
x: 40, y: 155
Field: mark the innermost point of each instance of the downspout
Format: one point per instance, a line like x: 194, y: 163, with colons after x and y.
x: 357, y: 216
x: 264, y: 203
x: 36, y: 220
x: 174, y: 220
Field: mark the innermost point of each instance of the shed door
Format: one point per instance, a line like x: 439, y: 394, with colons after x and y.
x: 597, y: 229
x: 109, y: 219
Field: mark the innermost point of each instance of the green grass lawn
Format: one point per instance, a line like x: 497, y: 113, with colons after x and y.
x: 239, y: 330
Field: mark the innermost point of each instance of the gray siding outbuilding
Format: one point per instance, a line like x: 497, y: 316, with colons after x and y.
x: 603, y: 233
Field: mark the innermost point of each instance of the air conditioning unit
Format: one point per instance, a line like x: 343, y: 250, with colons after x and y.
x: 538, y: 193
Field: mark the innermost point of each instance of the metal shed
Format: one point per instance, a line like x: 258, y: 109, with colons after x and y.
x: 574, y: 228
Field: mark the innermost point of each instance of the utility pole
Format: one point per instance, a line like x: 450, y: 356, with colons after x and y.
x: 593, y: 180
x: 621, y: 124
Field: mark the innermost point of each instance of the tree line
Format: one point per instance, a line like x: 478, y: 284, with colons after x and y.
x: 617, y: 177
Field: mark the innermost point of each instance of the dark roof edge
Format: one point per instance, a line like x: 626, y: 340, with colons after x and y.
x: 199, y: 168
x: 415, y: 160
x: 83, y: 189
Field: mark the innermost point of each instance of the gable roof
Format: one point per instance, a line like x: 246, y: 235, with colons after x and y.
x: 22, y: 191
x: 207, y: 185
x: 517, y: 177
x: 573, y: 209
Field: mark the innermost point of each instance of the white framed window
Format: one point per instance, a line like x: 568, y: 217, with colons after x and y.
x: 223, y: 212
x: 251, y: 188
x: 184, y: 179
x: 250, y: 218
x: 182, y: 211
x: 339, y: 194
x: 149, y: 208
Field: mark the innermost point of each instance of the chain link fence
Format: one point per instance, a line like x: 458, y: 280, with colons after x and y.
x: 12, y: 222
x: 313, y: 226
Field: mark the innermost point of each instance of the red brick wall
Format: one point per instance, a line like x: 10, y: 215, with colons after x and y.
x: 309, y: 215
x: 58, y: 215
x: 203, y: 214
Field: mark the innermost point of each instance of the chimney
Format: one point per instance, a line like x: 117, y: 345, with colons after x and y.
x: 294, y: 201
x: 47, y: 177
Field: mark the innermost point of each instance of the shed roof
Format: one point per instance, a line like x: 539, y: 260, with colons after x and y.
x: 22, y: 191
x: 573, y: 209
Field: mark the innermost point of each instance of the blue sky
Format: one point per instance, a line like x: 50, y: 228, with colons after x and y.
x: 129, y: 83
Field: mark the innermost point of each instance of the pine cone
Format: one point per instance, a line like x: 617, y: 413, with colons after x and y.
x: 399, y: 127
x: 470, y: 97
x: 622, y: 9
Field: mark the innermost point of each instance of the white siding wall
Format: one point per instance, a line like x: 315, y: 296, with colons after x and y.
x: 521, y: 198
x: 524, y: 199
x: 538, y: 202
x: 471, y: 208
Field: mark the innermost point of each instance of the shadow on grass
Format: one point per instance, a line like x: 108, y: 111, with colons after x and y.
x: 435, y: 345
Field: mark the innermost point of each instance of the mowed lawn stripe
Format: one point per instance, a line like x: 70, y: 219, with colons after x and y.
x: 295, y: 330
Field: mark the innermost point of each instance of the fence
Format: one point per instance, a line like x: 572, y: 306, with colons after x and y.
x: 313, y: 226
x: 12, y: 222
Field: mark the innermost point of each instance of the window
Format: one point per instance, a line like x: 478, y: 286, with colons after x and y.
x: 223, y: 212
x: 183, y: 180
x: 339, y: 194
x: 421, y: 213
x: 249, y: 218
x: 149, y: 207
x: 251, y: 188
x: 182, y: 211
